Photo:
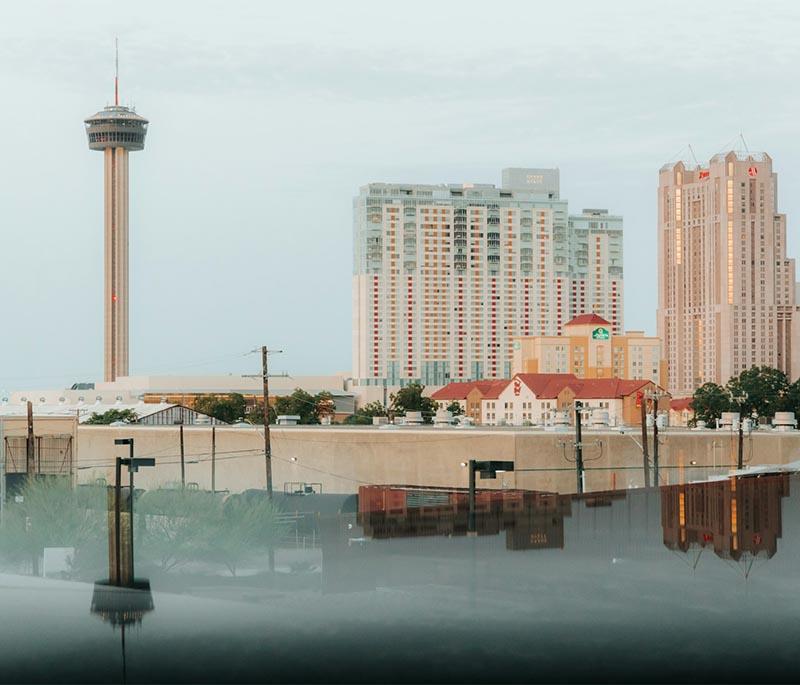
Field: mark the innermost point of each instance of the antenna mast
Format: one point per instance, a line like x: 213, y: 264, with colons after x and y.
x: 116, y: 72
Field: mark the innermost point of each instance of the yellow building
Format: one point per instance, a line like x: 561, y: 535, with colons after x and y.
x: 589, y: 349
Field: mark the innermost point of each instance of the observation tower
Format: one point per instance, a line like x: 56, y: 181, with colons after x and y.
x: 116, y: 131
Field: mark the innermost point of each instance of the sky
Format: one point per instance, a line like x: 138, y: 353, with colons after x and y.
x: 267, y: 117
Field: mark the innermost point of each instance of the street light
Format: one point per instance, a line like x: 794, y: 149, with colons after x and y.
x: 133, y: 465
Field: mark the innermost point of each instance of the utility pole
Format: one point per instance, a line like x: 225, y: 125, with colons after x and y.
x: 213, y: 458
x: 183, y: 460
x: 267, y: 444
x: 645, y: 455
x: 265, y: 392
x: 655, y: 438
x: 579, y: 446
x: 30, y: 465
x: 655, y: 395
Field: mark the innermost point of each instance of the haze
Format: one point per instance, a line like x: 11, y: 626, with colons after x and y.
x: 266, y: 118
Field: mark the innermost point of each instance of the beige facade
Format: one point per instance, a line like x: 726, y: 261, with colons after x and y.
x: 589, y: 348
x: 342, y: 458
x: 726, y: 287
x: 445, y: 275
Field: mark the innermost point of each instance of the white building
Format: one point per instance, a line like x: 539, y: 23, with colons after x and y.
x: 445, y: 275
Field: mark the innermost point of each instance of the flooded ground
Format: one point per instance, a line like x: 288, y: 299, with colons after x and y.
x: 684, y: 583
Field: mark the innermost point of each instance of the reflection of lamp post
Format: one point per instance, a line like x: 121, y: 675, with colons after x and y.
x: 122, y: 607
x: 488, y: 469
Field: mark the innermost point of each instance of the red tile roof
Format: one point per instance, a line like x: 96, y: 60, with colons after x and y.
x: 548, y: 385
x: 453, y: 391
x: 587, y: 318
x: 490, y: 390
x: 608, y: 388
x: 681, y: 403
x: 459, y: 391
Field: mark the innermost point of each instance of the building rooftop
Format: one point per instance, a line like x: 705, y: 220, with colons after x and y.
x: 115, y: 113
x: 584, y: 319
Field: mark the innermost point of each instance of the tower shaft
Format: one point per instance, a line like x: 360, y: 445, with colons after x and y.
x: 116, y: 263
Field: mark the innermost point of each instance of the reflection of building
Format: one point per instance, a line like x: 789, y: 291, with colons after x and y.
x: 734, y: 516
x: 531, y: 520
x: 589, y: 348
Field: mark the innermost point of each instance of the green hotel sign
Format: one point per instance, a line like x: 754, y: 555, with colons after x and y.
x: 600, y: 334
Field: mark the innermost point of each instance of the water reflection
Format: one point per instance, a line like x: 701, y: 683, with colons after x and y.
x: 396, y: 588
x: 736, y: 517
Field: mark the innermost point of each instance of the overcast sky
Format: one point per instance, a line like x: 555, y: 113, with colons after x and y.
x: 267, y: 117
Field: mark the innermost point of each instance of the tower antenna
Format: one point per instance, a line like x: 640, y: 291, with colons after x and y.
x: 694, y: 156
x: 744, y: 142
x: 116, y: 72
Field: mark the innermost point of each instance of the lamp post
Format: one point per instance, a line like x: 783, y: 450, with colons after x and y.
x: 740, y: 399
x: 579, y: 446
x: 133, y: 465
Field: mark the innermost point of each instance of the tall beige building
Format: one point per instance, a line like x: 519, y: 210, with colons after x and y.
x: 445, y: 275
x: 726, y: 289
x: 116, y: 131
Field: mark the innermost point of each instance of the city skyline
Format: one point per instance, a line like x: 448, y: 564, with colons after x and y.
x: 321, y: 102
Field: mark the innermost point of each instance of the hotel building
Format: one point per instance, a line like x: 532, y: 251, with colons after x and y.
x: 446, y: 275
x: 589, y: 348
x: 726, y: 288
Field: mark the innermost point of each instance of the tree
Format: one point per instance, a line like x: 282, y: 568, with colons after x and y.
x: 229, y: 409
x: 455, y: 408
x: 241, y: 529
x: 171, y: 523
x: 709, y: 401
x: 324, y: 406
x: 310, y: 408
x: 410, y: 398
x: 112, y: 416
x: 52, y: 513
x: 791, y: 400
x: 758, y: 390
x: 364, y: 414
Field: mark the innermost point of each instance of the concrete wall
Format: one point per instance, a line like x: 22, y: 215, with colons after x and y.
x: 342, y: 458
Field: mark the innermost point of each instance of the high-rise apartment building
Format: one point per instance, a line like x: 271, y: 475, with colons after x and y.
x: 445, y: 275
x: 726, y: 287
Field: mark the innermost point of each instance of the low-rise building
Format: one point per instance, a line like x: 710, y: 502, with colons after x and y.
x: 589, y: 348
x: 535, y: 399
x: 681, y: 412
x: 470, y: 396
x: 186, y: 390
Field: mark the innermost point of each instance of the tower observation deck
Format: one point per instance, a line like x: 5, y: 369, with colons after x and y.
x: 116, y: 131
